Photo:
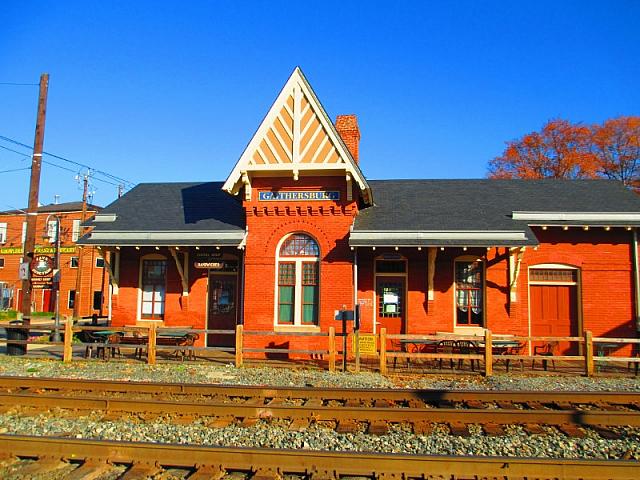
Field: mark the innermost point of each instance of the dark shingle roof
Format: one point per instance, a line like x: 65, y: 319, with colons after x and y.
x: 485, y: 205
x: 57, y: 207
x: 185, y: 208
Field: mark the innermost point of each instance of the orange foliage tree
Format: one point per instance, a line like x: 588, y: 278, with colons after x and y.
x: 565, y: 150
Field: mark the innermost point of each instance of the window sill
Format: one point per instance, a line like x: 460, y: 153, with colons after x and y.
x: 297, y: 328
x: 469, y: 330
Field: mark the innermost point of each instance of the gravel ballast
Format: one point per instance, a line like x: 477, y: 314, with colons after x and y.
x: 275, y: 434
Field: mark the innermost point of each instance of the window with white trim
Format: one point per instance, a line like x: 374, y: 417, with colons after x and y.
x: 1, y: 262
x: 71, y: 299
x: 75, y: 230
x: 153, y: 286
x: 469, y: 293
x: 52, y: 230
x: 73, y: 262
x: 3, y: 232
x: 99, y: 262
x: 298, y: 281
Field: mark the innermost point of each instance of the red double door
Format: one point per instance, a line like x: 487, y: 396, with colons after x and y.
x: 554, y: 313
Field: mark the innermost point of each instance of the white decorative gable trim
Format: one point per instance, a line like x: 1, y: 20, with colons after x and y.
x: 296, y: 136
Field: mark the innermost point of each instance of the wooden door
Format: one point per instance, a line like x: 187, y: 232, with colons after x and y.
x: 223, y: 304
x: 48, y: 301
x: 554, y: 312
x: 391, y: 303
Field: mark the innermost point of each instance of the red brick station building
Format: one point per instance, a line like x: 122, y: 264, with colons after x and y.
x: 296, y: 233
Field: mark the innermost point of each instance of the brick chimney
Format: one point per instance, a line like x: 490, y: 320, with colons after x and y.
x: 347, y: 126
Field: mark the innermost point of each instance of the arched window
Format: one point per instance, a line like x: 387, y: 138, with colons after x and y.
x: 298, y: 281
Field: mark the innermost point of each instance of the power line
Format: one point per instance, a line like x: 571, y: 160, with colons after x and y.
x: 108, y: 175
x: 15, y: 170
x: 14, y: 151
x: 75, y: 171
x: 19, y: 84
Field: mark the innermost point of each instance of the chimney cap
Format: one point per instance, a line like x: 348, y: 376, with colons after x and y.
x: 347, y: 122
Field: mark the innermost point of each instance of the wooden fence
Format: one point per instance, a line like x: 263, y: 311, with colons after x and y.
x: 488, y: 348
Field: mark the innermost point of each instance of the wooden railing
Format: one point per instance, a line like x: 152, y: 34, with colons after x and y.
x: 592, y: 350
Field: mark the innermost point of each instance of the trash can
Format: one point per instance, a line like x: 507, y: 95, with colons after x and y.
x: 16, y: 349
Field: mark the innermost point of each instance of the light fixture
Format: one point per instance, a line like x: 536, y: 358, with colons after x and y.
x: 396, y: 249
x: 197, y: 248
x: 544, y: 227
x: 585, y: 228
x: 117, y: 248
x: 217, y: 248
x: 373, y: 248
x: 565, y: 228
x: 353, y: 248
x: 464, y: 249
x: 629, y: 229
x: 607, y: 228
x: 137, y: 248
x: 157, y: 248
x: 442, y: 249
x: 419, y: 249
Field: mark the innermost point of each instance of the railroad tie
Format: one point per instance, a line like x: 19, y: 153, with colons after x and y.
x: 183, y: 420
x: 446, y: 404
x: 534, y: 405
x: 313, y: 402
x: 493, y: 429
x: 89, y: 470
x: 534, y: 429
x: 208, y: 472
x: 459, y: 429
x: 248, y: 422
x: 298, y: 424
x: 220, y: 422
x: 606, y: 433
x: 563, y: 405
x: 347, y: 426
x: 609, y: 407
x: 353, y: 403
x: 571, y: 430
x: 42, y: 465
x: 324, y: 475
x: 422, y: 427
x: 378, y: 427
x: 415, y: 403
x: 505, y: 404
x: 266, y: 473
x: 477, y: 404
x: 141, y: 470
x: 276, y: 402
x: 383, y: 403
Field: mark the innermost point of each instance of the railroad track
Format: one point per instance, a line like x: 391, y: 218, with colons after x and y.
x: 348, y: 410
x: 84, y: 459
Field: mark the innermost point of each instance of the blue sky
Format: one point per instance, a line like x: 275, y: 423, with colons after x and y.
x: 157, y: 91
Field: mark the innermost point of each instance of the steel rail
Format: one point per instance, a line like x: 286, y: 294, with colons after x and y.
x: 360, y: 414
x: 318, y: 464
x: 390, y: 394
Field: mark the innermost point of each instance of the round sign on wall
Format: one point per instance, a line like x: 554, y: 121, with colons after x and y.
x: 42, y: 265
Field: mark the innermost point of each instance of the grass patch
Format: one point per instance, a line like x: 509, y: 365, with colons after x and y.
x: 8, y: 315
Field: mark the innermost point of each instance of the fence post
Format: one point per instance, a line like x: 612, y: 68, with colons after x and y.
x: 383, y: 351
x: 588, y: 353
x: 488, y: 353
x: 239, y: 342
x: 67, y: 349
x: 332, y: 349
x: 151, y: 348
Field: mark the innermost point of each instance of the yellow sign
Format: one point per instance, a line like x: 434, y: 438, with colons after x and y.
x: 368, y: 344
x: 44, y: 250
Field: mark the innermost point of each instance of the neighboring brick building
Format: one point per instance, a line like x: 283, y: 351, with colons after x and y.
x: 297, y: 232
x: 93, y: 276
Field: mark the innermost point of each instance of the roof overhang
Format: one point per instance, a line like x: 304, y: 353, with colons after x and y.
x: 159, y: 238
x: 436, y: 238
x: 617, y: 217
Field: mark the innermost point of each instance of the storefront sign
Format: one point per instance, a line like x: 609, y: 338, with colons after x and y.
x: 368, y: 345
x: 217, y: 264
x: 42, y: 272
x: 293, y: 196
x: 43, y: 250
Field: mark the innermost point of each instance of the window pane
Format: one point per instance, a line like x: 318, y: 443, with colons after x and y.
x: 287, y: 274
x: 469, y: 293
x: 147, y: 293
x: 388, y: 266
x: 286, y: 294
x: 310, y: 273
x: 309, y: 294
x: 147, y: 308
x: 299, y: 244
x: 309, y: 314
x: 286, y: 314
x: 553, y: 275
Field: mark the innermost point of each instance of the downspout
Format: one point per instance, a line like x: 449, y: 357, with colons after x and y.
x: 355, y: 279
x: 636, y: 278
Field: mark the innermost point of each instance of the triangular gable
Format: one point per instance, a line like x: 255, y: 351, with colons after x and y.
x: 295, y: 136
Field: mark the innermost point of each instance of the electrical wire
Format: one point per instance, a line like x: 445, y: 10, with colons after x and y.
x: 19, y: 84
x: 15, y: 170
x: 14, y: 151
x: 108, y: 175
x: 74, y: 171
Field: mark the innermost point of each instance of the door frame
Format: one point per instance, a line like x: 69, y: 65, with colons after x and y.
x: 577, y: 284
x: 214, y: 273
x: 405, y: 274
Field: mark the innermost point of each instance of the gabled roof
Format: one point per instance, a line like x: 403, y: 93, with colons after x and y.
x: 170, y: 214
x: 487, y: 212
x: 296, y: 136
x: 56, y: 208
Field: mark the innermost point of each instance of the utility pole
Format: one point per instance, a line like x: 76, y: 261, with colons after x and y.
x: 76, y: 301
x: 34, y: 189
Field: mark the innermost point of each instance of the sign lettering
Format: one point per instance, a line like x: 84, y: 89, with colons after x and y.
x: 293, y: 196
x: 43, y: 250
x: 368, y: 344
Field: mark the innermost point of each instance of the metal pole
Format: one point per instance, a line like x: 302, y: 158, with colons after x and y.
x: 76, y: 302
x: 636, y: 278
x: 56, y: 333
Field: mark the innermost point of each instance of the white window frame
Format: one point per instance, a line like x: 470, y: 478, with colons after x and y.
x: 151, y: 256
x: 1, y: 262
x: 75, y: 230
x: 99, y: 258
x: 297, y: 297
x: 470, y: 329
x: 3, y: 232
x: 69, y: 299
x: 71, y: 262
x: 52, y: 231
